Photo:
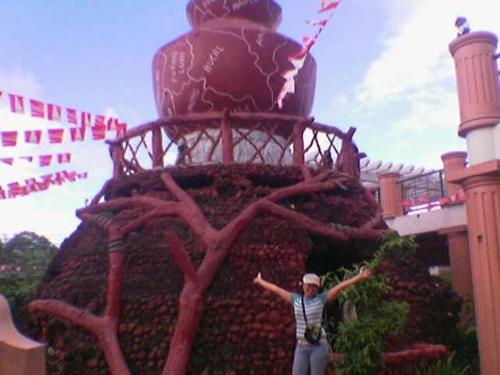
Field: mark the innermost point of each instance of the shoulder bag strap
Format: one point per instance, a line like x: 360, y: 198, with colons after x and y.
x: 303, y: 309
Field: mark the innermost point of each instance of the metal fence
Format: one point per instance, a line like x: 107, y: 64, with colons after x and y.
x: 423, y: 191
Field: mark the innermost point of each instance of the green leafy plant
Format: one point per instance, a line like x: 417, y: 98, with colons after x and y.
x: 361, y: 340
x: 463, y: 344
x: 448, y: 367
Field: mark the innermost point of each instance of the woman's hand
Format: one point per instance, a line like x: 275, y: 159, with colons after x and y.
x: 257, y: 279
x: 364, y: 273
x: 282, y: 293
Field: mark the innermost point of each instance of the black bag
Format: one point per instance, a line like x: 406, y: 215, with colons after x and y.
x: 312, y: 333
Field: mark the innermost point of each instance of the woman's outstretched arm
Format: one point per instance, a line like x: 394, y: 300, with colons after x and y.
x: 364, y: 273
x: 284, y: 294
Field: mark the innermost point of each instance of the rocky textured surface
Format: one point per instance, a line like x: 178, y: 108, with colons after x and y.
x: 243, y: 328
x: 434, y: 307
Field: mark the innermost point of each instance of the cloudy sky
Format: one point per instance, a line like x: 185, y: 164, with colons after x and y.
x: 383, y: 67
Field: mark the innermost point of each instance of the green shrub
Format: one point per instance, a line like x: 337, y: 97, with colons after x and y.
x: 361, y: 341
x: 448, y: 367
x: 463, y: 344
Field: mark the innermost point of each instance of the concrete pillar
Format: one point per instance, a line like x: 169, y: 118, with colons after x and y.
x: 453, y: 162
x: 479, y: 100
x: 483, y: 213
x: 18, y: 354
x: 478, y: 94
x: 477, y: 80
x: 391, y: 195
x: 458, y: 247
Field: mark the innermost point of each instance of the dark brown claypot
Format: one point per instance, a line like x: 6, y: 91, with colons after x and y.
x: 264, y: 12
x: 230, y: 62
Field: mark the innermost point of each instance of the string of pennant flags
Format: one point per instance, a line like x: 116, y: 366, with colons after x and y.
x: 98, y: 124
x: 43, y: 160
x: 82, y: 126
x: 298, y: 59
x: 42, y: 183
x: 11, y: 138
x: 53, y: 112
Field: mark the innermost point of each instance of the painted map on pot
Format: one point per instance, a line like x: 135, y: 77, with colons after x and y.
x: 236, y: 67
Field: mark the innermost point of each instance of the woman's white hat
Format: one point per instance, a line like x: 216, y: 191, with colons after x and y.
x: 311, y: 278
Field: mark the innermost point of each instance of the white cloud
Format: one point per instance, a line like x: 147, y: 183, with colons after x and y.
x: 20, y: 82
x: 429, y: 110
x: 409, y: 90
x: 417, y: 55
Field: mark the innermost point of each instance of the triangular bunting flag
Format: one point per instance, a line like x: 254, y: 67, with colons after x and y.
x: 77, y: 134
x: 53, y: 112
x: 8, y: 161
x: 121, y: 130
x: 31, y: 185
x: 3, y: 195
x: 63, y: 158
x: 327, y: 5
x: 44, y: 185
x: 321, y: 23
x: 45, y: 160
x: 56, y: 135
x: 98, y: 132
x: 32, y: 136
x: 71, y: 114
x: 86, y: 119
x: 9, y: 139
x: 100, y: 120
x: 15, y: 189
x: 27, y: 158
x: 47, y: 179
x: 70, y: 176
x: 37, y: 108
x: 112, y: 122
x: 16, y: 103
x: 58, y: 178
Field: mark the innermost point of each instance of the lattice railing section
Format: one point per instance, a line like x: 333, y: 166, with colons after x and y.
x: 262, y: 142
x: 223, y: 137
x: 196, y: 142
x: 137, y: 152
x: 321, y: 148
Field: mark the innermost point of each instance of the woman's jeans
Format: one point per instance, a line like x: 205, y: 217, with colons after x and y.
x: 308, y: 356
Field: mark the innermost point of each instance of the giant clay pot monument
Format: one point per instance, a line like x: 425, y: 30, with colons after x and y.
x: 158, y: 277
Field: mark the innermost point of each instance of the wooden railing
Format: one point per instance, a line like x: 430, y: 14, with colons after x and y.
x: 294, y: 140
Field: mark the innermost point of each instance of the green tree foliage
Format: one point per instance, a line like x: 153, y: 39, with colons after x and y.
x: 361, y: 340
x: 27, y: 255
